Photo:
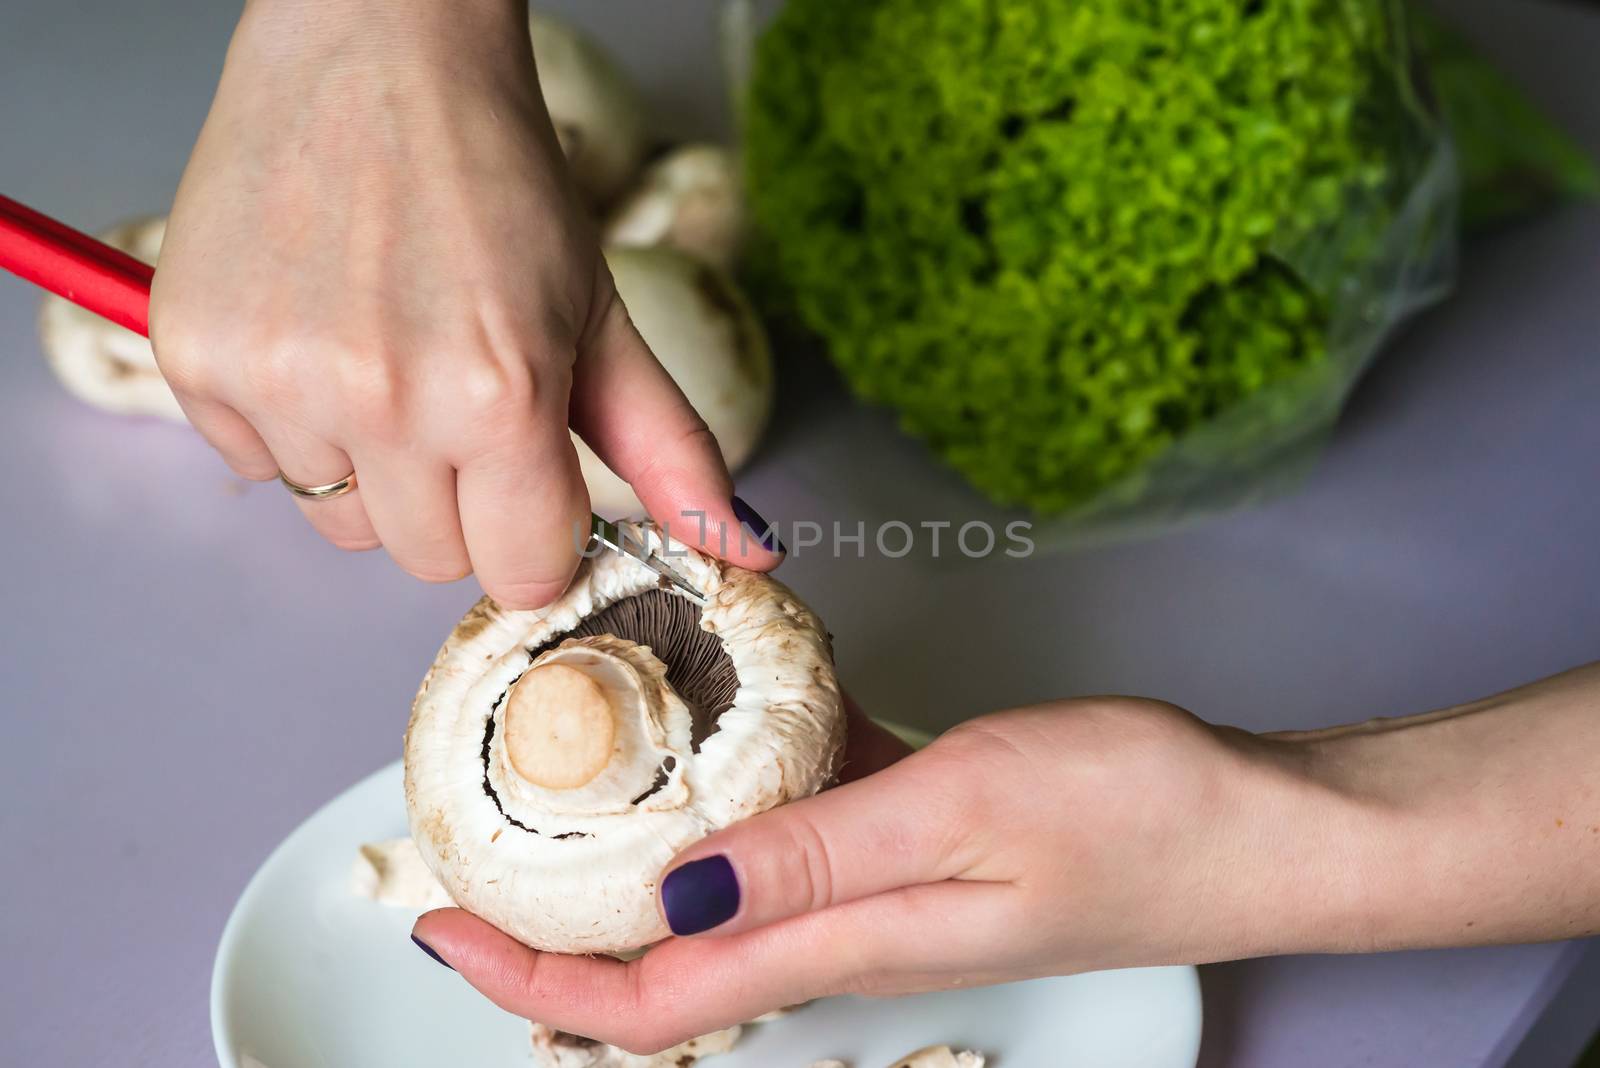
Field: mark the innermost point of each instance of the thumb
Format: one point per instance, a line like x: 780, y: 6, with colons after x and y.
x: 896, y: 828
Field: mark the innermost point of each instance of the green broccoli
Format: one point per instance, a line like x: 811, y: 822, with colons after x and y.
x: 1058, y: 236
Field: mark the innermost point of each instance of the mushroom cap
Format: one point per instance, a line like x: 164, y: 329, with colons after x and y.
x: 703, y: 330
x: 691, y: 199
x: 597, y: 113
x: 576, y: 878
x: 103, y: 363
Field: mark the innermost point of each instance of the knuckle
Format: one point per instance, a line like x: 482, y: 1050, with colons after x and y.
x: 1103, y: 726
x: 255, y: 470
x: 1091, y: 746
x: 862, y: 983
x: 980, y: 743
x: 639, y: 1039
x: 439, y: 571
x: 655, y: 991
x: 492, y: 387
x: 519, y: 974
x: 642, y: 1030
x: 185, y: 376
x: 370, y: 389
x: 648, y: 1035
x: 815, y: 880
x: 180, y: 356
x: 667, y: 458
x: 347, y: 531
x: 354, y: 543
x: 348, y: 536
x: 525, y: 594
x: 970, y: 780
x: 268, y: 375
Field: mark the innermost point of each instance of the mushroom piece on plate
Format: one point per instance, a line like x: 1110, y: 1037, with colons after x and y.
x: 391, y: 872
x: 557, y: 1049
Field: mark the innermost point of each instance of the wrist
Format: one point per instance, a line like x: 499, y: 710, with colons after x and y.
x: 1408, y: 828
x: 1314, y: 858
x: 469, y: 31
x: 388, y: 11
x: 1371, y: 836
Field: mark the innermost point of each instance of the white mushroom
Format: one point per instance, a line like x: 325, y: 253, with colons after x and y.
x: 100, y: 362
x: 691, y: 199
x: 558, y: 759
x: 596, y: 111
x: 391, y: 872
x: 557, y: 1049
x: 707, y: 336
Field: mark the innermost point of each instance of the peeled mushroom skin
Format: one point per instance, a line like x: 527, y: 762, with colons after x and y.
x: 691, y: 199
x: 107, y: 365
x: 928, y: 1057
x: 391, y: 872
x: 557, y: 1049
x: 720, y: 713
x: 598, y: 115
x: 705, y: 333
x: 940, y: 1057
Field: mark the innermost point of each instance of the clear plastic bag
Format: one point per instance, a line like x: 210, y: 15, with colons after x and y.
x: 1388, y: 251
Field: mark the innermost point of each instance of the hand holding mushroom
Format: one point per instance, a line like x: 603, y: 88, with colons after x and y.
x: 1098, y: 833
x: 379, y: 262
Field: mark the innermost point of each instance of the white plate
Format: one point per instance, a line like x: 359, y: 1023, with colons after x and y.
x: 309, y: 976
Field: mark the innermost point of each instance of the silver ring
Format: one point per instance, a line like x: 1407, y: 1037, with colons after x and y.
x: 319, y: 493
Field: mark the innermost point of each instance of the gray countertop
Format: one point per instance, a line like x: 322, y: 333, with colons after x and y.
x: 188, y: 671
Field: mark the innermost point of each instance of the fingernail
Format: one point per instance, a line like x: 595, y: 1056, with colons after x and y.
x: 759, y: 528
x: 700, y: 895
x: 429, y: 951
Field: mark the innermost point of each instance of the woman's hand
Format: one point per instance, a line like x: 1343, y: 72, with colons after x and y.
x: 1100, y: 833
x: 376, y: 263
x: 1061, y: 838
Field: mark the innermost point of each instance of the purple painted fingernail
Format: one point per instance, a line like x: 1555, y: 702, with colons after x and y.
x: 429, y: 951
x: 758, y: 528
x: 700, y: 895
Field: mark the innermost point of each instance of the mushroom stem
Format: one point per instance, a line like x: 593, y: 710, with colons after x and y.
x: 559, y: 727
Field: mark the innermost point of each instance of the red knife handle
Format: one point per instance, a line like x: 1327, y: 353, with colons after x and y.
x: 88, y: 272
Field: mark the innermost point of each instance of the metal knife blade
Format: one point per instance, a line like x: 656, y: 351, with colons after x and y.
x: 610, y: 535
